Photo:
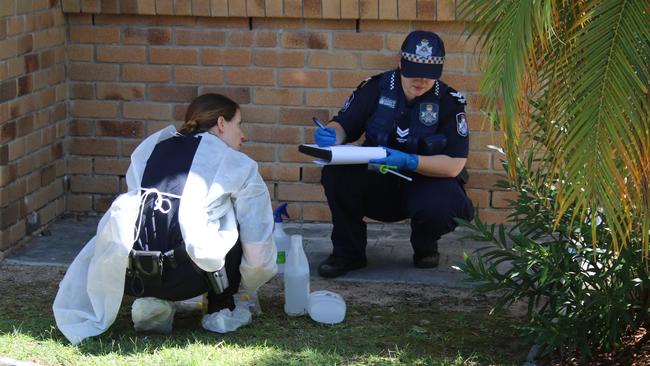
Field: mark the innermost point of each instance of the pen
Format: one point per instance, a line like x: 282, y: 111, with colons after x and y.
x: 318, y: 122
x: 386, y: 169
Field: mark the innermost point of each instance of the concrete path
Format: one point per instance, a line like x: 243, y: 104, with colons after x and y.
x: 389, y: 251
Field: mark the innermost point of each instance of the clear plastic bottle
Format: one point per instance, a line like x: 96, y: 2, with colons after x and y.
x: 280, y: 237
x: 296, y: 279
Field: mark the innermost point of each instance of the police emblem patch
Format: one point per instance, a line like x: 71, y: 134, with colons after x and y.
x: 429, y: 114
x: 423, y: 49
x: 390, y: 103
x: 347, y: 103
x: 461, y: 124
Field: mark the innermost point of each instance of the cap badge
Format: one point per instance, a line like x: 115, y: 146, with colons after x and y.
x: 423, y: 49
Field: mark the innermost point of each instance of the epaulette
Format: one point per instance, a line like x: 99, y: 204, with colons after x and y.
x: 366, y: 80
x: 458, y: 96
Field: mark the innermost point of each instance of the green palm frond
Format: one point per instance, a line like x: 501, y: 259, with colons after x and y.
x: 575, y: 75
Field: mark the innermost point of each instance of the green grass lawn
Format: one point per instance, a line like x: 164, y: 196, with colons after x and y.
x: 405, y: 333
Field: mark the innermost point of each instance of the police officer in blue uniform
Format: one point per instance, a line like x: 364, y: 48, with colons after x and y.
x: 421, y: 123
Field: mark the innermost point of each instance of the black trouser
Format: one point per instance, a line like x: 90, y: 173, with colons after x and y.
x: 185, y: 282
x: 353, y: 192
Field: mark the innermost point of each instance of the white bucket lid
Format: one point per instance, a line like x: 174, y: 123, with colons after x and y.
x: 326, y: 307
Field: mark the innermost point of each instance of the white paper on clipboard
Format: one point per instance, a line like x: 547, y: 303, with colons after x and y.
x: 345, y: 154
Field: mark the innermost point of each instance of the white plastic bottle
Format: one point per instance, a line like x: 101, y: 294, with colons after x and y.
x: 280, y: 238
x: 296, y: 279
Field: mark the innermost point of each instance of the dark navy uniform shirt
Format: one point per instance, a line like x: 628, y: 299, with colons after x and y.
x: 363, y: 102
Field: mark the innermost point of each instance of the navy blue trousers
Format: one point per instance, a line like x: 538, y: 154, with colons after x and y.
x: 354, y: 192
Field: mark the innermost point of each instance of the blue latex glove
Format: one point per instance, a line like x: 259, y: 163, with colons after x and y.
x: 399, y: 159
x: 325, y: 136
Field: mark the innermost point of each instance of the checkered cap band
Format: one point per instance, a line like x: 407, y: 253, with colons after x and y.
x: 436, y: 60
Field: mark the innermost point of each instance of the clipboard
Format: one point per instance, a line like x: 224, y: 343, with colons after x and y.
x: 342, y: 154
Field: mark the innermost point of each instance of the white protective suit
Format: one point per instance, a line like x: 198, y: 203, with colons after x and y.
x: 223, y: 189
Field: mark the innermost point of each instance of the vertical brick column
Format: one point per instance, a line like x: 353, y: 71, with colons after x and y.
x: 32, y: 117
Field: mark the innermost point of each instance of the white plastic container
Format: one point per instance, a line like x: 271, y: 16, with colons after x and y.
x: 296, y: 279
x: 280, y: 237
x: 326, y: 307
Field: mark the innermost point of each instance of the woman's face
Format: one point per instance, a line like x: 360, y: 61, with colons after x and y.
x: 415, y: 87
x: 230, y: 132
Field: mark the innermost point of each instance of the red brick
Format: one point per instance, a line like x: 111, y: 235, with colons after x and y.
x: 174, y: 56
x: 333, y: 60
x: 7, y: 48
x: 302, y: 116
x: 146, y: 73
x: 274, y: 134
x: 112, y: 166
x: 110, y: 6
x: 279, y: 59
x: 246, y: 77
x: 82, y: 127
x: 198, y: 75
x: 122, y: 54
x: 80, y: 203
x: 147, y: 36
x: 200, y: 37
x: 316, y: 212
x: 387, y: 9
x: 278, y: 96
x: 231, y: 57
x: 312, y: 9
x: 237, y: 94
x: 358, y: 41
x: 49, y: 38
x: 252, y: 39
x: 480, y: 198
x: 304, y: 78
x: 255, y: 8
x: 368, y: 9
x: 311, y: 173
x: 491, y: 216
x: 293, y: 8
x: 93, y: 146
x: 259, y: 114
x: 90, y: 109
x: 201, y: 7
x: 8, y: 90
x: 120, y: 91
x: 237, y: 8
x: 280, y: 172
x: 426, y: 9
x: 349, y: 79
x: 273, y: 8
x: 80, y: 52
x: 310, y: 40
x: 170, y: 93
x: 500, y: 198
x: 331, y: 9
x: 115, y: 128
x: 465, y: 83
x: 31, y: 63
x: 259, y: 152
x: 93, y: 184
x: 155, y: 111
x: 7, y: 132
x: 291, y: 154
x: 24, y: 44
x: 82, y: 71
x: 479, y: 160
x: 407, y: 9
x: 482, y: 180
x: 326, y: 99
x: 330, y: 24
x: 92, y: 34
x: 480, y: 140
x: 222, y: 22
x: 350, y: 9
x: 300, y: 192
x: 278, y: 24
x: 379, y: 62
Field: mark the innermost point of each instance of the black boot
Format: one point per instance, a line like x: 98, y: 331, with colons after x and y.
x: 337, y: 266
x: 429, y: 261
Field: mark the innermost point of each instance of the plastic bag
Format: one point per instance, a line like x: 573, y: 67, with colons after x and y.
x: 150, y: 314
x: 225, y: 321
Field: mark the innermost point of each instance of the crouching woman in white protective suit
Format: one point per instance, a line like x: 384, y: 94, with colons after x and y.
x: 197, y: 218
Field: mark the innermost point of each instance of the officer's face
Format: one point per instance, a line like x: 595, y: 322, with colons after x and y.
x: 231, y: 132
x: 415, y: 87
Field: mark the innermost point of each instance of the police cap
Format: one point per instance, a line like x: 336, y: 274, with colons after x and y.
x: 422, y: 55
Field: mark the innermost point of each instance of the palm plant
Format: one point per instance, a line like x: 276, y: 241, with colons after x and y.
x: 574, y: 75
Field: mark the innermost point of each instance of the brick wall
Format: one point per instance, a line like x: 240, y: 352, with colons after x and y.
x: 32, y: 116
x: 133, y: 66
